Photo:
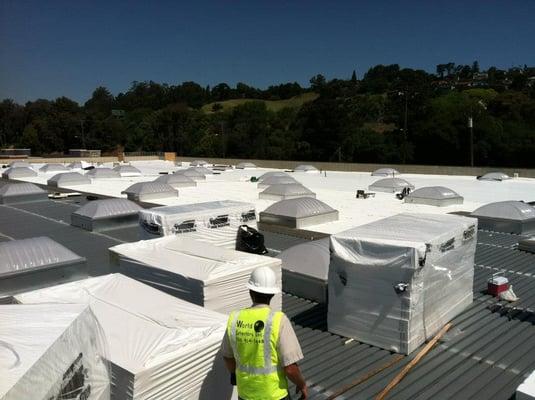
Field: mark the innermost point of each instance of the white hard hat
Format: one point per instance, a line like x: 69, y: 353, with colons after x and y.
x: 263, y: 280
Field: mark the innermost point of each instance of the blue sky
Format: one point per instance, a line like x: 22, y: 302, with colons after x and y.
x: 67, y: 48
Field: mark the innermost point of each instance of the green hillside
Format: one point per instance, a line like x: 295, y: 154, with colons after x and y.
x: 273, y: 105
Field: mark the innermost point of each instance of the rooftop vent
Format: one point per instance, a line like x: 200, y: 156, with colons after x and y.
x: 21, y: 193
x: 47, y: 261
x: 385, y: 172
x: 103, y: 173
x: 191, y: 173
x: 176, y: 180
x: 246, y: 165
x: 127, y: 170
x: 147, y: 191
x: 18, y: 172
x: 439, y: 196
x: 283, y: 192
x: 506, y: 216
x: 68, y: 179
x: 53, y: 168
x: 306, y: 168
x: 299, y: 213
x: 390, y: 185
x: 276, y: 180
x: 494, y: 176
x: 100, y: 215
x: 198, y: 163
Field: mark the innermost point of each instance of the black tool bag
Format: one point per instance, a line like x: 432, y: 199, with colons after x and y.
x: 250, y: 240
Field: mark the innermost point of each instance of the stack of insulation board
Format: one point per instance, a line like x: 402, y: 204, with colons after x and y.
x: 215, y: 222
x: 395, y: 282
x: 28, y: 264
x: 159, y: 347
x: 52, y: 351
x: 207, y: 275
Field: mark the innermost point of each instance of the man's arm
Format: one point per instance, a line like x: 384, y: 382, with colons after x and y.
x: 293, y: 373
x: 230, y: 363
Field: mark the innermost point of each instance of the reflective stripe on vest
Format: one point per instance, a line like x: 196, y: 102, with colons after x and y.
x: 259, y: 375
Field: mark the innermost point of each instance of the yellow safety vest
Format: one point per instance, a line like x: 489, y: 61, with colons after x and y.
x: 254, y: 335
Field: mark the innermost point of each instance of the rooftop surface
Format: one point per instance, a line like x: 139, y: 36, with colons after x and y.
x: 486, y: 354
x: 337, y: 189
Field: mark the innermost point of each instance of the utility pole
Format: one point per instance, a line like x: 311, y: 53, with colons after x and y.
x: 471, y: 126
x: 83, y: 136
x: 406, y: 116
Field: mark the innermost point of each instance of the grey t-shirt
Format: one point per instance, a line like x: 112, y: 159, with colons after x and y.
x: 288, y: 347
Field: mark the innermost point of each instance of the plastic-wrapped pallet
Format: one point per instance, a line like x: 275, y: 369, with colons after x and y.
x: 159, y: 347
x: 52, y: 351
x: 526, y: 390
x: 395, y: 282
x: 215, y: 222
x: 204, y: 274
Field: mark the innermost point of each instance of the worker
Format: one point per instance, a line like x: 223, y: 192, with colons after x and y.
x: 260, y: 347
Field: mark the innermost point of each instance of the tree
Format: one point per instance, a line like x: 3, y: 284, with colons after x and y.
x: 475, y: 67
x: 317, y: 82
x: 441, y: 68
x: 30, y: 139
x: 450, y: 68
x: 101, y: 101
x: 354, y: 77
